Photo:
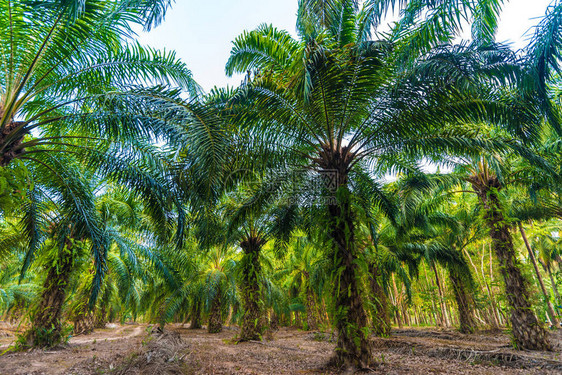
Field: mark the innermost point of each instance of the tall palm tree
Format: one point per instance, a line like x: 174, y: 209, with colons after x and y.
x: 74, y: 83
x: 62, y: 219
x: 253, y: 224
x: 526, y: 328
x: 336, y: 99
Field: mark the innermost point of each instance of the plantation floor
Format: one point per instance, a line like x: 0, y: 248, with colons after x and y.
x: 129, y: 349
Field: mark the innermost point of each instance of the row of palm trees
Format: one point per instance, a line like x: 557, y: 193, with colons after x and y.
x: 291, y: 163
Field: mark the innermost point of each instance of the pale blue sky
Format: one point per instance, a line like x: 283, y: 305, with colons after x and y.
x: 201, y: 32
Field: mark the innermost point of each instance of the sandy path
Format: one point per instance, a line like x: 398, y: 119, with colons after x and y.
x: 106, y: 334
x: 116, y: 335
x: 291, y: 352
x: 110, y: 344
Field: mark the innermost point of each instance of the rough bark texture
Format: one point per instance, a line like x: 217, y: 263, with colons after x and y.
x: 465, y: 303
x: 215, y: 315
x: 381, y: 316
x: 195, y: 315
x: 84, y: 322
x: 311, y: 311
x: 251, y: 291
x: 101, y: 318
x: 527, y: 331
x: 353, y: 347
x: 46, y: 328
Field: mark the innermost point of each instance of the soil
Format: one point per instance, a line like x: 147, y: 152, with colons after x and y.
x: 133, y: 349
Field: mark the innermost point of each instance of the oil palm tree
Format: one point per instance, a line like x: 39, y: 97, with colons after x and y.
x: 335, y: 99
x: 74, y: 83
x: 527, y: 331
x: 63, y: 223
x: 220, y: 286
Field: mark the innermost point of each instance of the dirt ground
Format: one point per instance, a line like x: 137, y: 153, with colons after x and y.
x: 131, y: 349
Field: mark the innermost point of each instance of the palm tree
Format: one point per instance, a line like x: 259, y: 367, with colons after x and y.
x: 253, y: 236
x: 63, y: 223
x: 254, y: 220
x: 526, y: 123
x: 73, y: 84
x: 335, y: 99
x: 219, y: 280
x: 526, y: 329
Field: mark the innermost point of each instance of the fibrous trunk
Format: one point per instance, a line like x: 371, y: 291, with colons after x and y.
x: 84, y: 322
x: 381, y: 316
x: 215, y: 315
x: 465, y: 303
x: 310, y: 304
x: 195, y: 314
x: 100, y: 319
x: 353, y: 348
x: 46, y: 328
x: 527, y: 331
x: 250, y: 289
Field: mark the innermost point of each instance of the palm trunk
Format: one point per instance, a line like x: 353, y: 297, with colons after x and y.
x: 84, y: 322
x: 353, y: 348
x: 10, y: 146
x: 195, y: 314
x: 381, y: 318
x: 251, y: 290
x: 465, y: 304
x: 539, y: 277
x: 310, y: 304
x: 100, y: 319
x: 215, y: 315
x: 46, y: 328
x: 527, y: 331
